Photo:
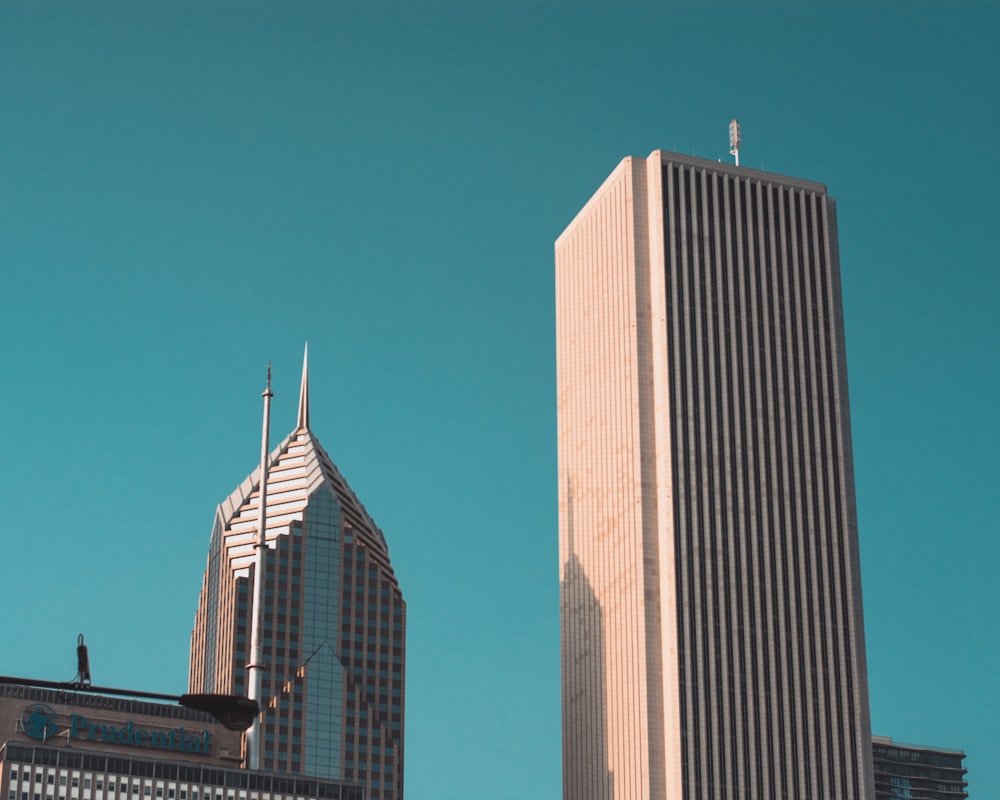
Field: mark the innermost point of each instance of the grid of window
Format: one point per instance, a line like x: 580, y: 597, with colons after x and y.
x: 324, y: 703
x: 909, y: 771
x: 128, y: 777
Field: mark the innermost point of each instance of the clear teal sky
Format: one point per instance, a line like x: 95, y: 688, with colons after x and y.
x: 188, y: 190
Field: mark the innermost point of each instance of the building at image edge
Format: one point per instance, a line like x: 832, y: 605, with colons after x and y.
x: 334, y: 628
x: 917, y: 772
x: 60, y: 745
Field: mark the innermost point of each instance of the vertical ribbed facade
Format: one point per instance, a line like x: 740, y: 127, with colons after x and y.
x: 712, y: 631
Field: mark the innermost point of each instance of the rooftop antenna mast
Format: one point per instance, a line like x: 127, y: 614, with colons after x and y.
x: 734, y: 140
x: 255, y: 668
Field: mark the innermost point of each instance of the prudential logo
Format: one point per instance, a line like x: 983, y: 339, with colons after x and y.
x: 39, y: 721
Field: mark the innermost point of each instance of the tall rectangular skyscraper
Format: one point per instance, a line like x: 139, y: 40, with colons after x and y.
x: 334, y: 620
x: 712, y: 631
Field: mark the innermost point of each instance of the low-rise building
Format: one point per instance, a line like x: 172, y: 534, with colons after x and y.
x: 66, y: 745
x: 912, y: 771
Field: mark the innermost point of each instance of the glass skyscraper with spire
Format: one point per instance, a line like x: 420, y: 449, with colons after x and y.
x: 334, y: 620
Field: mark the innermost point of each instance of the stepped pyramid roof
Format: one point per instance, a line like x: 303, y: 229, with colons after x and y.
x: 298, y: 468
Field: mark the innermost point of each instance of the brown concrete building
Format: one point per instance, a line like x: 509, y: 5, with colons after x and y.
x: 712, y: 631
x: 58, y: 745
x: 334, y: 624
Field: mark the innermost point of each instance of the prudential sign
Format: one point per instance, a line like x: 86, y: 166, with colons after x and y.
x: 41, y: 722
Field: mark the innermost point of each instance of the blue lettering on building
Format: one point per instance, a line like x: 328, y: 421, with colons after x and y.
x: 177, y: 739
x: 39, y: 722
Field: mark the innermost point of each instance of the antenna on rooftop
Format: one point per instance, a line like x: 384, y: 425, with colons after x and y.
x: 734, y: 140
x: 82, y: 662
x: 255, y: 668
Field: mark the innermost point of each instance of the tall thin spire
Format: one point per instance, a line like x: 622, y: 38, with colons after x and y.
x: 304, y: 392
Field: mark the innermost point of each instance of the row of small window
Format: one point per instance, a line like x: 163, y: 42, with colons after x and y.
x: 348, y: 617
x: 281, y: 627
x: 359, y: 638
x: 372, y: 607
x: 51, y: 779
x: 147, y: 792
x: 359, y: 588
x: 123, y: 786
x: 379, y: 653
x: 293, y: 655
x: 12, y: 794
x: 358, y: 658
x: 283, y: 738
x: 147, y: 789
x: 370, y: 672
x: 371, y: 573
x: 361, y: 774
x: 350, y: 731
